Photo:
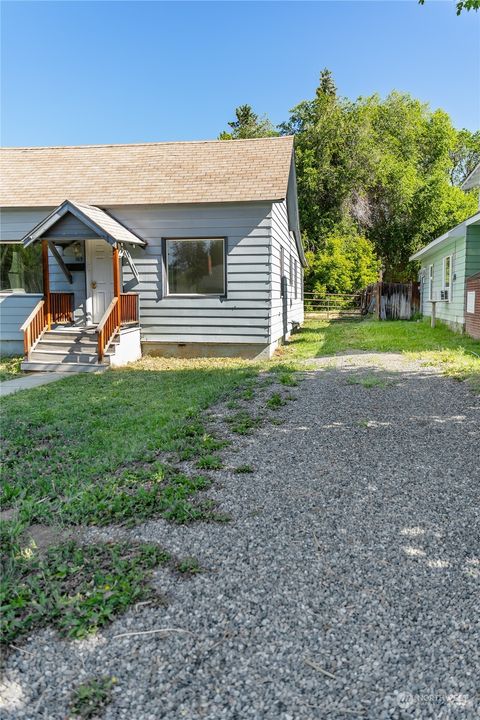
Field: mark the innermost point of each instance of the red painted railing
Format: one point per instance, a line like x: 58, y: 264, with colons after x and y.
x: 57, y: 308
x: 61, y: 307
x: 129, y: 307
x: 34, y: 326
x: 108, y: 327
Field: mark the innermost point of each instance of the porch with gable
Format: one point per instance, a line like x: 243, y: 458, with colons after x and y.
x: 84, y: 310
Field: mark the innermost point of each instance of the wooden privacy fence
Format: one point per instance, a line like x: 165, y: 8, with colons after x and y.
x: 387, y: 301
x: 391, y: 301
x: 333, y: 304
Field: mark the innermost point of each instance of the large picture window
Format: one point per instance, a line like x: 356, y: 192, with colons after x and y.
x: 20, y: 268
x: 196, y: 266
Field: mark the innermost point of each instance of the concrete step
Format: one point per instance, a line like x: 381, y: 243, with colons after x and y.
x: 72, y: 336
x: 34, y: 366
x: 59, y: 356
x: 83, y: 345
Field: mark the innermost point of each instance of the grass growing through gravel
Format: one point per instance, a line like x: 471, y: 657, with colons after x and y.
x: 369, y: 381
x: 10, y: 368
x: 457, y: 355
x: 275, y: 401
x: 90, y: 698
x: 75, y: 588
x: 210, y: 462
x: 91, y: 450
x: 243, y: 423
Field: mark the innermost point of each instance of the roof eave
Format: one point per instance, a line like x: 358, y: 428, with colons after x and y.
x: 68, y: 206
x: 458, y: 230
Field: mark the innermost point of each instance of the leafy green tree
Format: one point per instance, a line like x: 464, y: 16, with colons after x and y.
x: 462, y: 5
x: 465, y: 155
x: 248, y: 125
x: 381, y: 166
x: 346, y: 263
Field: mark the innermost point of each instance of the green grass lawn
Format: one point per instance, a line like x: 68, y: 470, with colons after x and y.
x: 90, y: 449
x: 10, y: 368
x: 458, y: 355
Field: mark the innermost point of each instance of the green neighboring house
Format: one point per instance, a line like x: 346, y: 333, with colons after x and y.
x: 446, y: 264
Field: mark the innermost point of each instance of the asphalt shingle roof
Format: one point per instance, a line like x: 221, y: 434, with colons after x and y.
x: 154, y: 173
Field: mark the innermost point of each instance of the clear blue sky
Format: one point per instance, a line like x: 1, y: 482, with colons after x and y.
x: 101, y: 72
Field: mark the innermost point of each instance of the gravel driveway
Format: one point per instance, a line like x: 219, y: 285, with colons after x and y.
x: 346, y: 585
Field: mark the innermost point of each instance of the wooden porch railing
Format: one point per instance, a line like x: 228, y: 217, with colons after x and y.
x: 56, y: 308
x: 61, y: 307
x: 119, y: 312
x: 33, y: 327
x: 108, y: 327
x: 129, y: 307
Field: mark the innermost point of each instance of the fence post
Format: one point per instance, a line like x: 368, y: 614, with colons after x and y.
x: 432, y: 322
x: 378, y: 300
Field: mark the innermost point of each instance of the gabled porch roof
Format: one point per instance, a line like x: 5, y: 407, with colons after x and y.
x: 98, y: 221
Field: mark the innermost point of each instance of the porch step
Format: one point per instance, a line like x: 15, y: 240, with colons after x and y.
x: 45, y: 354
x: 72, y: 335
x: 82, y: 345
x: 67, y: 348
x: 86, y: 345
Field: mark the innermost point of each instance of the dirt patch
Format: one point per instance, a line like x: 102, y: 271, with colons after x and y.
x: 45, y: 536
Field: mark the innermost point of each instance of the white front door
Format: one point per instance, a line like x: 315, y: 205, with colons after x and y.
x: 99, y: 278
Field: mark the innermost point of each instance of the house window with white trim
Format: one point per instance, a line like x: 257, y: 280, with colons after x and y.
x: 447, y: 279
x: 430, y: 282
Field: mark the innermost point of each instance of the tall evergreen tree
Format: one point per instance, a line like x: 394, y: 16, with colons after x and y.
x: 326, y: 85
x: 248, y: 124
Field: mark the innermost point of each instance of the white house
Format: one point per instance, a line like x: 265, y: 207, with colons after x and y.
x: 189, y: 249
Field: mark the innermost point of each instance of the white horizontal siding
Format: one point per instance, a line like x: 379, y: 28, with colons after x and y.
x: 14, y: 310
x: 241, y: 317
x: 15, y: 223
x: 284, y: 311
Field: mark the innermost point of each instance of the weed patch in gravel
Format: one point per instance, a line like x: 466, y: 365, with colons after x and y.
x: 90, y: 698
x: 369, y: 381
x: 76, y: 588
x: 243, y: 469
x: 243, y: 423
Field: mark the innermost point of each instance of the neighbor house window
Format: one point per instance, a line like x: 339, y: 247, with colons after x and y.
x: 21, y: 268
x: 196, y: 266
x: 295, y: 274
x: 447, y: 278
x: 430, y: 282
x: 290, y: 269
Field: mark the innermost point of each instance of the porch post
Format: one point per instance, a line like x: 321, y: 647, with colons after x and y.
x: 116, y: 282
x: 46, y: 283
